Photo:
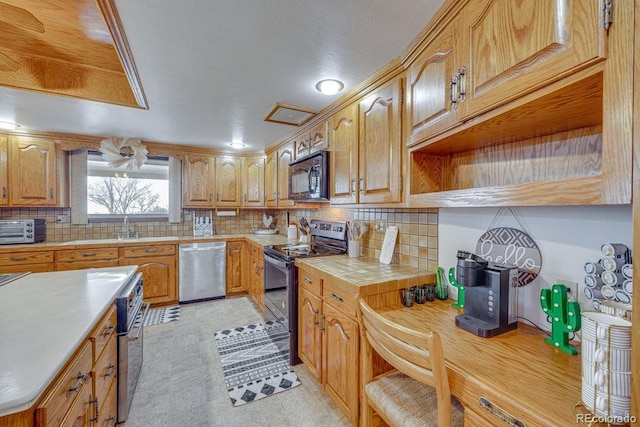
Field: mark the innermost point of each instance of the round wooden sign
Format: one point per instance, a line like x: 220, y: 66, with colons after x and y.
x: 505, y: 245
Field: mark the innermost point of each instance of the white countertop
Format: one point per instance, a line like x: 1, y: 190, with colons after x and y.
x: 43, y: 319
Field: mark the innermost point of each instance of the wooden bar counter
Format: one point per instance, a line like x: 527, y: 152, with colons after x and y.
x: 516, y: 371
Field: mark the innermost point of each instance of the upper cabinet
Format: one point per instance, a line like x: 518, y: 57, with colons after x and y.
x: 318, y: 137
x: 380, y: 145
x: 343, y: 159
x: 253, y: 181
x: 286, y: 155
x: 4, y: 172
x: 228, y: 182
x: 271, y: 179
x: 197, y: 180
x: 32, y: 172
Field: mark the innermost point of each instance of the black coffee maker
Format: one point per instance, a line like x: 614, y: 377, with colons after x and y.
x: 491, y: 292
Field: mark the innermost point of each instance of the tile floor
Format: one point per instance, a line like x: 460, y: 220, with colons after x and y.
x: 181, y: 383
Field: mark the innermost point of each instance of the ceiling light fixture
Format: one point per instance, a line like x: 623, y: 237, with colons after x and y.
x: 9, y: 125
x: 237, y: 145
x: 329, y: 86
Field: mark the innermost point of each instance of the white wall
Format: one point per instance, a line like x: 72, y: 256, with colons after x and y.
x: 567, y: 237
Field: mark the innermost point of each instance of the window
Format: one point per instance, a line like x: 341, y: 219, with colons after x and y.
x: 120, y: 191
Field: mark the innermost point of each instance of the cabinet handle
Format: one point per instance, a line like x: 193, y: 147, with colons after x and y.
x: 315, y: 317
x: 97, y: 413
x: 23, y: 258
x: 353, y: 186
x: 234, y: 250
x: 307, y: 280
x: 89, y: 254
x: 150, y: 251
x: 322, y: 323
x: 110, y: 369
x: 108, y: 331
x: 462, y: 79
x: 245, y: 198
x: 361, y: 186
x: 501, y: 413
x: 51, y: 193
x: 4, y: 192
x: 337, y: 297
x: 80, y: 379
x: 217, y: 197
x: 453, y: 92
x: 210, y: 197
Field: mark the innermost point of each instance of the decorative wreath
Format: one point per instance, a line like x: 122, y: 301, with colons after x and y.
x: 124, y: 152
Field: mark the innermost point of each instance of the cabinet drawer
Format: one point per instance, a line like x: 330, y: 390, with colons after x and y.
x: 70, y: 384
x: 145, y: 251
x: 79, y: 265
x: 108, y: 408
x: 102, y: 333
x: 86, y: 254
x: 310, y: 282
x: 105, y: 370
x: 26, y: 258
x: 83, y: 409
x: 340, y: 299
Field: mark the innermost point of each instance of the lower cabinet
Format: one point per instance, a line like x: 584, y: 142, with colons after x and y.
x: 328, y: 340
x: 236, y: 282
x: 255, y: 275
x: 158, y: 267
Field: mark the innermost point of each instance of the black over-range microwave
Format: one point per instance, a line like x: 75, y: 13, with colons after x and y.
x: 309, y: 177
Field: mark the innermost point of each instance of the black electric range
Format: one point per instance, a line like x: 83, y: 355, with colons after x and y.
x: 281, y: 276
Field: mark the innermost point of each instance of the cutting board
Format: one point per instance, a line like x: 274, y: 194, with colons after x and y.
x: 389, y: 242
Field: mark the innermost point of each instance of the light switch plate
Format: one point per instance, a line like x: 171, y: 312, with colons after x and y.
x: 381, y: 226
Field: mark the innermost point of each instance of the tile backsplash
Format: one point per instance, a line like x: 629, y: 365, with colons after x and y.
x: 416, y: 246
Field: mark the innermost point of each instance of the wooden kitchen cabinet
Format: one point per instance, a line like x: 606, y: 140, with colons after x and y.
x: 380, y: 145
x: 253, y: 181
x: 228, y: 182
x: 198, y: 180
x: 343, y: 159
x: 319, y: 137
x: 77, y: 259
x: 277, y: 176
x: 158, y: 267
x: 32, y: 172
x: 302, y: 145
x: 22, y: 262
x: 309, y: 333
x: 235, y: 263
x: 271, y: 179
x: 516, y: 47
x: 4, y: 170
x: 256, y: 276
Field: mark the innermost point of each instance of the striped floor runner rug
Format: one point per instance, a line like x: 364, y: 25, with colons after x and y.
x: 160, y: 315
x: 255, y: 361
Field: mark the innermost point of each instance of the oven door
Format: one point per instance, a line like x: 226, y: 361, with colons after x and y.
x: 278, y: 275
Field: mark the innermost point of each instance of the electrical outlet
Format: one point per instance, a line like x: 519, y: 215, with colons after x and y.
x: 572, y: 288
x: 62, y: 219
x: 381, y: 226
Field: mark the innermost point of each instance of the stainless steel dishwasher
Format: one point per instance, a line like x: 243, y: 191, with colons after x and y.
x: 203, y: 271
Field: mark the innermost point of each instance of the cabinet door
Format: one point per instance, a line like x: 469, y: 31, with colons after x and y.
x: 253, y: 181
x: 32, y: 172
x: 159, y: 276
x: 318, y: 138
x: 343, y: 159
x: 340, y: 360
x: 228, y: 182
x: 301, y: 145
x: 430, y: 107
x: 271, y: 179
x: 257, y: 288
x: 235, y: 263
x: 285, y: 156
x: 198, y: 179
x: 380, y: 145
x: 4, y: 172
x: 309, y: 333
x: 518, y: 46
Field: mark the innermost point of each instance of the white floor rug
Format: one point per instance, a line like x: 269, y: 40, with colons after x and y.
x: 160, y: 315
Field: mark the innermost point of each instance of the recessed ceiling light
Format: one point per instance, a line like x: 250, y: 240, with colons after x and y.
x: 9, y: 125
x: 237, y: 145
x: 329, y: 86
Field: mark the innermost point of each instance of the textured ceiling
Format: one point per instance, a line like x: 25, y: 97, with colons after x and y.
x: 212, y: 70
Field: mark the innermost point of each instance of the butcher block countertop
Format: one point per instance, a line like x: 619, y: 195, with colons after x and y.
x: 363, y: 275
x: 44, y: 318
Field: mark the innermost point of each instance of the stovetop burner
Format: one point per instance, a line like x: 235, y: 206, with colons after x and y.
x: 329, y: 238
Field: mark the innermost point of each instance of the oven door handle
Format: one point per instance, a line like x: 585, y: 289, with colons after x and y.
x: 276, y: 262
x: 144, y: 317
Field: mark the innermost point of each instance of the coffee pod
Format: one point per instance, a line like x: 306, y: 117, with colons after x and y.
x: 612, y: 264
x: 612, y: 278
x: 614, y: 249
x: 623, y: 296
x: 593, y: 268
x: 608, y: 292
x: 591, y: 281
x: 627, y: 285
x: 592, y: 293
x: 627, y: 271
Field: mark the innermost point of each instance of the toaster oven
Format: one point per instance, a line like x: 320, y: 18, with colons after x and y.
x: 14, y: 231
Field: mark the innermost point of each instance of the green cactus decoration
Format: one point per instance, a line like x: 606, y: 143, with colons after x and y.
x: 458, y: 286
x: 565, y: 316
x: 442, y: 290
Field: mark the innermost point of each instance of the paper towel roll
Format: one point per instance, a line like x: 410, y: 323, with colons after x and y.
x: 292, y: 232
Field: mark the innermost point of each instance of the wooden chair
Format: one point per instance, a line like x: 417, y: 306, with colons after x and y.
x: 417, y: 394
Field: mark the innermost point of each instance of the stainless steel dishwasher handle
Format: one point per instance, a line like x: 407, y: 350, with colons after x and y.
x: 144, y: 317
x: 213, y: 248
